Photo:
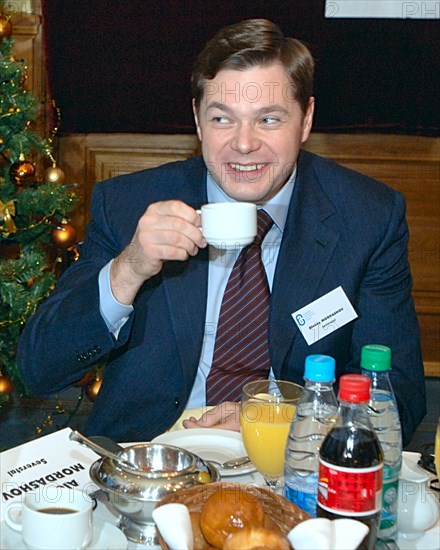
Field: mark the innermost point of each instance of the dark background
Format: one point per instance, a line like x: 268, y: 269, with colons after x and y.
x: 125, y: 65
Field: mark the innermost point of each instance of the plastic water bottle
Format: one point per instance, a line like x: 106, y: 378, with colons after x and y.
x: 384, y: 415
x: 315, y: 413
x: 351, y: 462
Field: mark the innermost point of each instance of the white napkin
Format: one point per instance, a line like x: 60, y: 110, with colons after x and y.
x: 174, y: 523
x: 324, y: 534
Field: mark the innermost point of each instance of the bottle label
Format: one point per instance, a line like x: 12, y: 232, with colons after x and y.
x: 350, y: 491
x: 389, y: 505
x: 306, y: 501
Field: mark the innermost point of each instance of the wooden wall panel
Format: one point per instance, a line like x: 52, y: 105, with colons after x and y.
x: 89, y: 158
x: 27, y: 46
x: 410, y: 164
x: 27, y: 35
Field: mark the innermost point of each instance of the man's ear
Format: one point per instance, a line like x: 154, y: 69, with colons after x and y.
x: 308, y: 120
x: 196, y: 119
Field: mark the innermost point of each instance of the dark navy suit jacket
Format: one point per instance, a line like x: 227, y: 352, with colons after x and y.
x: 342, y: 229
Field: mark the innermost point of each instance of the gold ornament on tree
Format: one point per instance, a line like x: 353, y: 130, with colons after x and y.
x: 64, y: 235
x: 7, y: 210
x: 93, y: 387
x: 22, y: 171
x: 6, y: 386
x: 5, y: 27
x: 54, y: 174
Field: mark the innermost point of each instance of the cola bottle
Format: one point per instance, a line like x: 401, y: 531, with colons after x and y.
x: 351, y: 462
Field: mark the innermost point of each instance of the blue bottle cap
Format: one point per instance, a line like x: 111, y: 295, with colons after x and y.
x: 319, y: 368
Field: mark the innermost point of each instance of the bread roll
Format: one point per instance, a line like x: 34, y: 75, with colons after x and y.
x: 200, y: 542
x: 254, y: 538
x: 227, y: 511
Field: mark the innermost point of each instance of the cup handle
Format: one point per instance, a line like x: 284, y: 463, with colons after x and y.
x: 199, y: 212
x: 10, y: 521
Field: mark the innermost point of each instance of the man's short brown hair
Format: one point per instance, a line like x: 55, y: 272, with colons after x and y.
x: 251, y: 43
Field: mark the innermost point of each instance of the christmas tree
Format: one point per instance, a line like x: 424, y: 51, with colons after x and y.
x: 34, y: 230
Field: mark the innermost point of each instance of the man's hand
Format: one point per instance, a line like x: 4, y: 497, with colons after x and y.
x: 168, y: 230
x: 225, y: 416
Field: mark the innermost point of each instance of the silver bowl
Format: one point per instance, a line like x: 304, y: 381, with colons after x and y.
x: 163, y: 469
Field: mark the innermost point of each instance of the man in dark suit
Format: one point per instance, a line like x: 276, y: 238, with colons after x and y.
x: 146, y: 292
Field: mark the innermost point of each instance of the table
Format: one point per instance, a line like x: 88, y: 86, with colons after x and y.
x: 429, y: 540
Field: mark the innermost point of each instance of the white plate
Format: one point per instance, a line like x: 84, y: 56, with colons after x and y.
x: 105, y: 537
x: 210, y: 444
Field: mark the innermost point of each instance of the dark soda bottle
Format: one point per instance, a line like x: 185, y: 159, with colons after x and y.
x: 351, y: 462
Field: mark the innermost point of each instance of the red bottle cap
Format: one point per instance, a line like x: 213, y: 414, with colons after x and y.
x: 354, y: 388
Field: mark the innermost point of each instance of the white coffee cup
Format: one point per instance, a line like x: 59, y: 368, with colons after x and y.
x: 229, y: 224
x: 53, y: 518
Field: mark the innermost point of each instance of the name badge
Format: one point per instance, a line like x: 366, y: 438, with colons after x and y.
x: 325, y: 315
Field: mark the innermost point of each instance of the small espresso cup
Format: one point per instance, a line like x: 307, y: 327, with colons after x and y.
x: 53, y: 518
x: 229, y: 224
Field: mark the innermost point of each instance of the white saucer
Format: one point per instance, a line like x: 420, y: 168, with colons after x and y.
x: 429, y: 540
x: 210, y: 444
x: 105, y: 537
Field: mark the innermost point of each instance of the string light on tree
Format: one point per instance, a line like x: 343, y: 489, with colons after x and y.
x: 59, y: 409
x: 54, y: 174
x: 48, y: 421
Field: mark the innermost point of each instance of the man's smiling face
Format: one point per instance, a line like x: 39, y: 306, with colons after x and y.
x: 251, y: 129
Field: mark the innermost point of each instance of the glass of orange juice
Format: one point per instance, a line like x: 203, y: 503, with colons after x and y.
x: 266, y: 411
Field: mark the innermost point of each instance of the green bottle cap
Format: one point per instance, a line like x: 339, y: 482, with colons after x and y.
x: 376, y: 357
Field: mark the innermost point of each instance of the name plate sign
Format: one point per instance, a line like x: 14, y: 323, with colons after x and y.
x: 52, y: 460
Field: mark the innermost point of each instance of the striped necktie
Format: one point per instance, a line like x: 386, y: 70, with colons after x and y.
x: 241, y: 351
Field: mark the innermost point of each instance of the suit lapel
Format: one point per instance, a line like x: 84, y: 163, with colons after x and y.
x: 305, y: 252
x: 186, y: 286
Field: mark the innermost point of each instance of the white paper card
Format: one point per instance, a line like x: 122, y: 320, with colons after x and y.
x: 383, y: 9
x: 325, y: 315
x: 49, y: 460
